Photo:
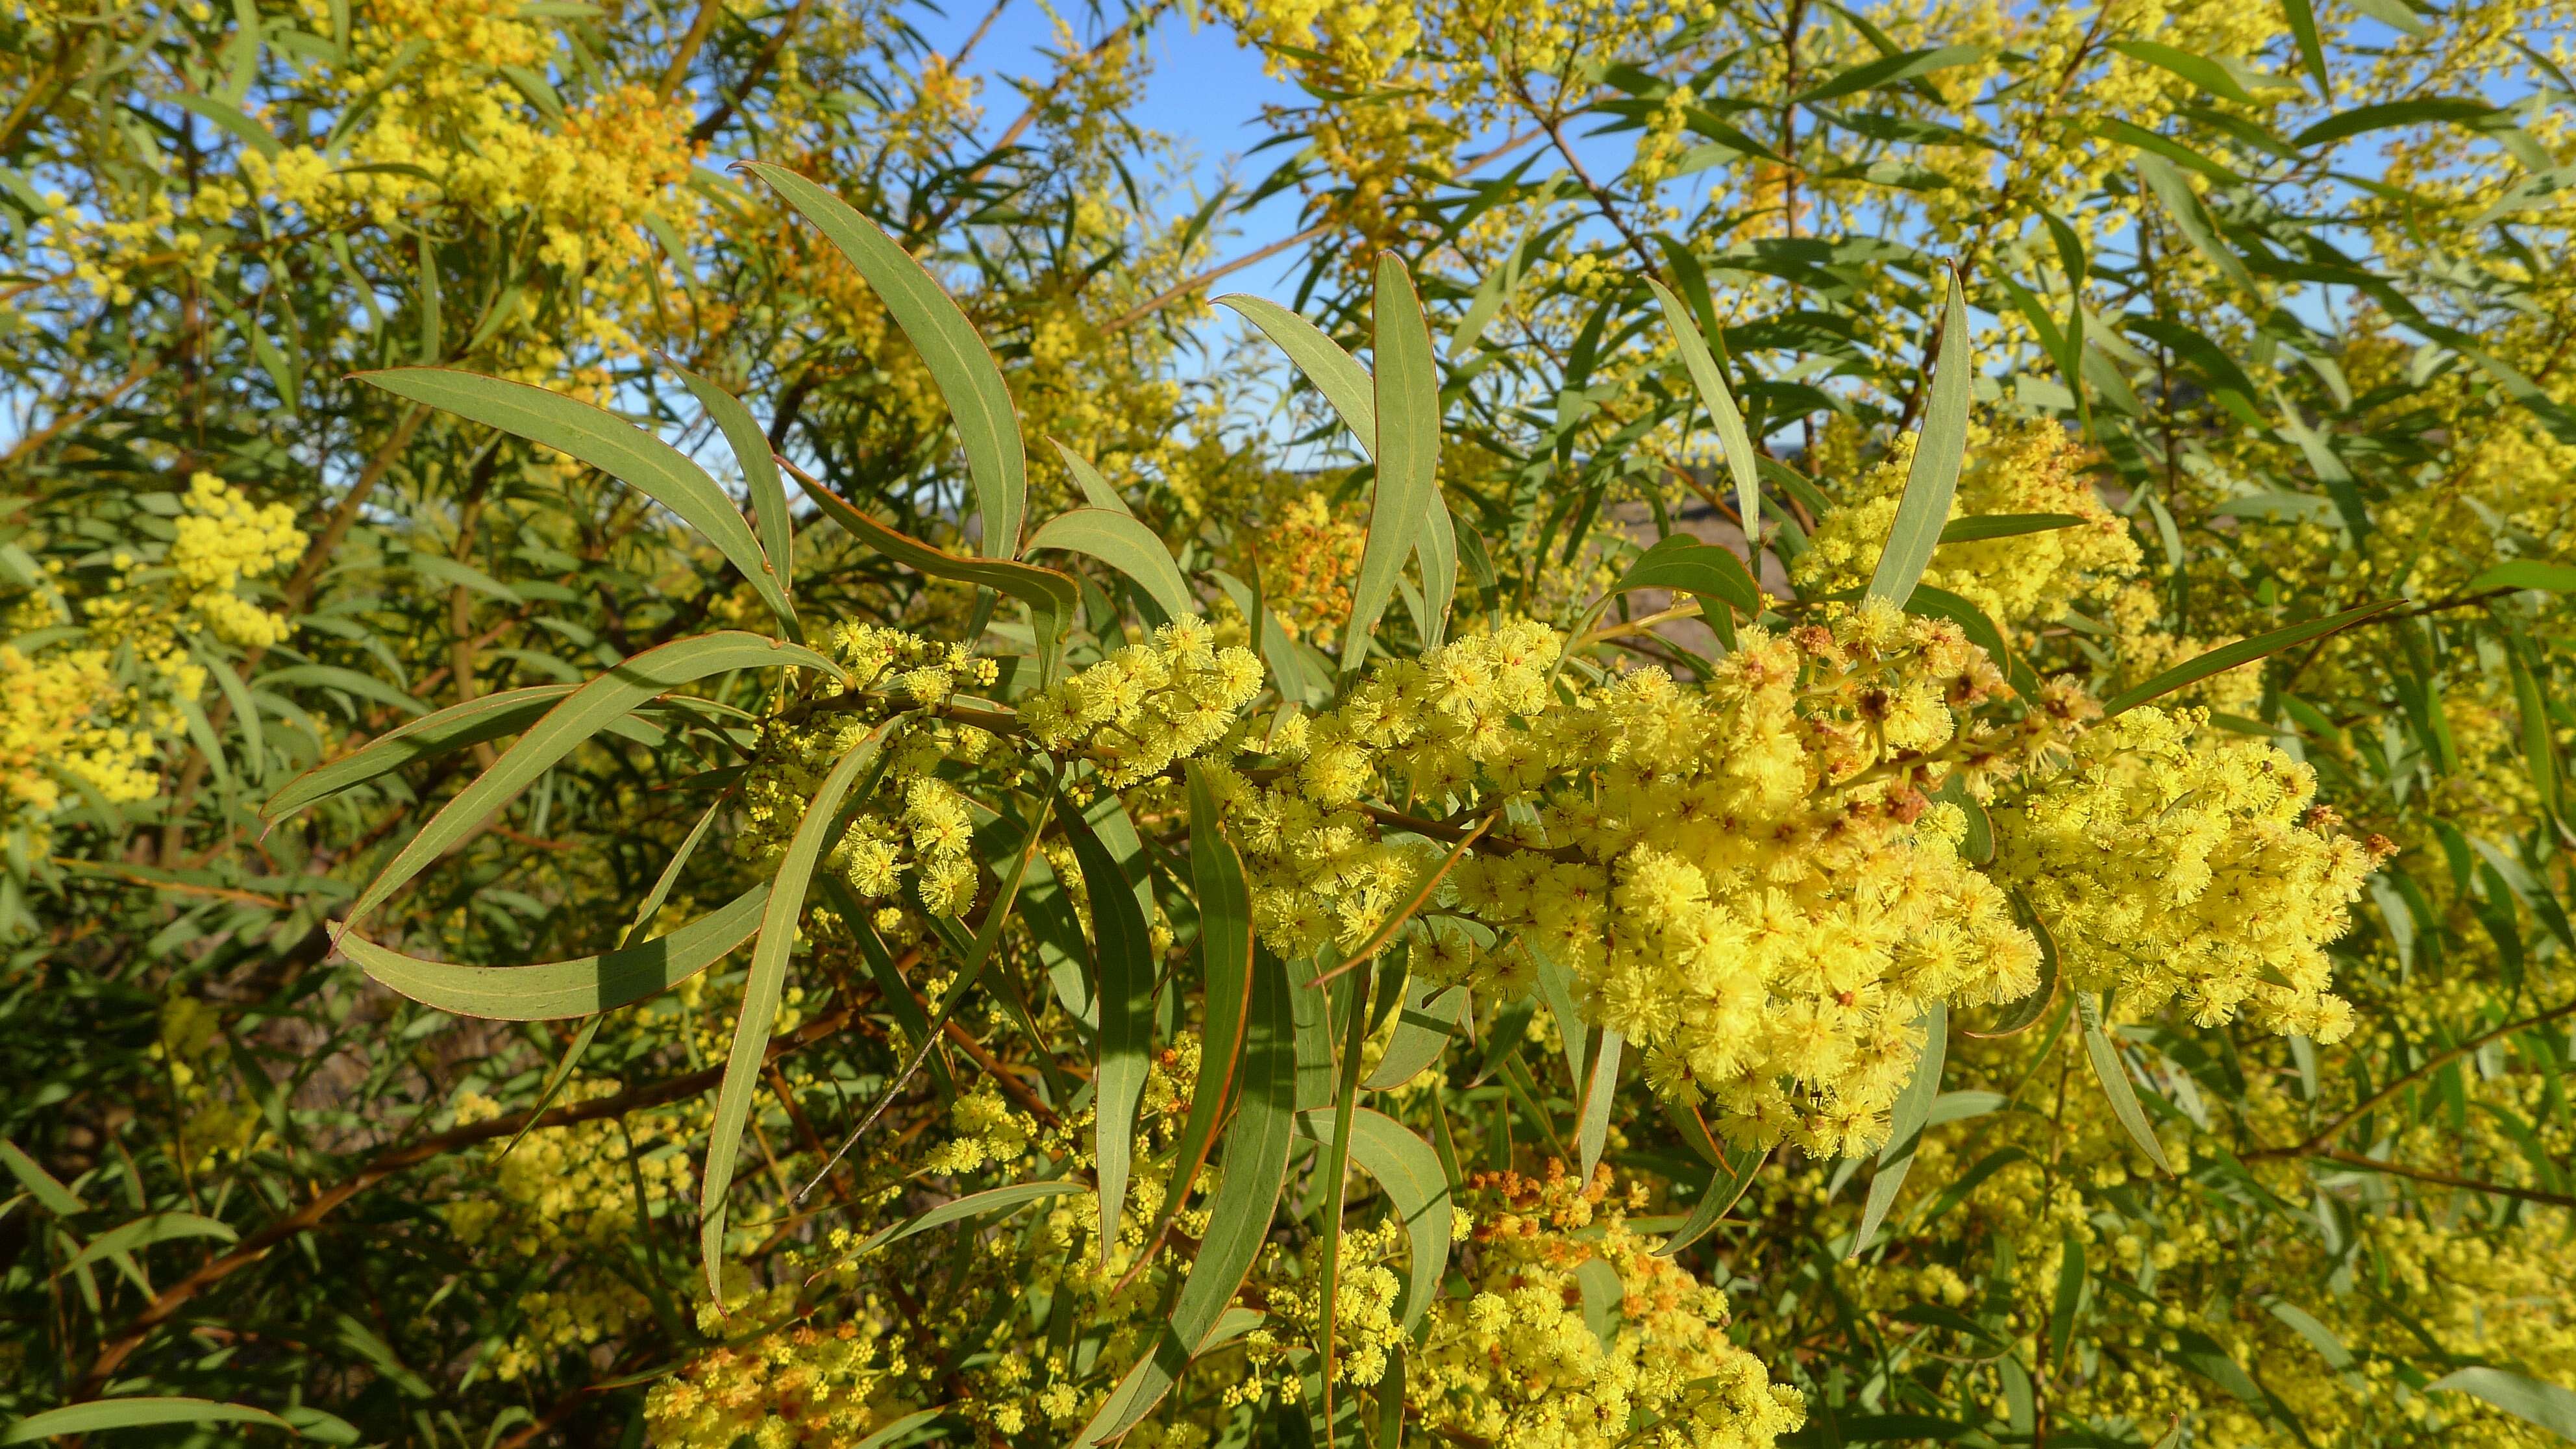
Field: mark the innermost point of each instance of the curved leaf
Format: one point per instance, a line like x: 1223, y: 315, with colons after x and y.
x: 2114, y: 1076
x: 973, y: 1204
x: 143, y: 1232
x: 1711, y: 382
x: 1334, y: 372
x: 1051, y: 597
x: 1932, y: 603
x: 968, y: 378
x: 135, y: 1414
x: 761, y: 991
x: 1436, y: 554
x: 759, y: 472
x: 1096, y: 490
x: 1123, y: 954
x: 1123, y: 542
x: 607, y: 442
x: 579, y: 716
x: 488, y: 717
x: 1924, y: 510
x: 1256, y: 1167
x: 1600, y: 1089
x: 1905, y: 1129
x: 1685, y: 565
x: 2243, y: 651
x: 1408, y: 451
x: 2007, y: 525
x: 579, y: 986
x: 2201, y: 71
x: 1410, y: 1173
x: 2525, y: 573
x: 1225, y: 973
x: 2528, y: 1399
x: 1424, y: 1026
x: 1725, y: 1188
x: 2344, y: 125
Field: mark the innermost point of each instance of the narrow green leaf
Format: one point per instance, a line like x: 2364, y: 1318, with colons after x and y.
x: 1905, y: 1129
x: 1095, y: 489
x: 2302, y: 16
x: 135, y: 1414
x: 2525, y: 573
x: 898, y: 1429
x: 1891, y: 70
x: 2114, y: 1076
x: 761, y: 991
x: 2200, y: 70
x: 759, y: 473
x: 2360, y: 120
x: 1713, y: 394
x: 580, y: 986
x: 488, y: 717
x: 2194, y: 222
x: 1334, y: 372
x: 1408, y: 451
x: 1725, y: 1187
x: 143, y: 1232
x: 1924, y: 510
x: 1592, y: 1125
x: 973, y: 1204
x: 1410, y: 1173
x: 2070, y: 1297
x: 2243, y: 651
x: 1424, y: 1026
x: 2007, y: 525
x: 567, y: 726
x: 2544, y: 1404
x: 962, y: 367
x: 347, y: 681
x: 1123, y: 542
x: 1052, y: 598
x: 1255, y: 1167
x: 1685, y: 565
x: 607, y: 442
x: 48, y: 1190
x: 1436, y: 553
x: 1225, y: 974
x: 1123, y: 957
x: 230, y: 117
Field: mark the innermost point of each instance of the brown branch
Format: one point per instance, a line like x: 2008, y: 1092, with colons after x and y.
x: 384, y: 1164
x: 2326, y: 1134
x: 1204, y: 279
x: 702, y: 25
x: 2444, y: 1179
x: 705, y: 130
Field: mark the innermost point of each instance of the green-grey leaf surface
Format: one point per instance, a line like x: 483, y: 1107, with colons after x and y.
x: 1122, y: 541
x: 579, y: 986
x: 1408, y: 451
x: 607, y: 442
x: 580, y: 715
x: 1924, y: 509
x: 762, y: 988
x: 979, y: 401
x: 1123, y: 955
x: 1713, y: 394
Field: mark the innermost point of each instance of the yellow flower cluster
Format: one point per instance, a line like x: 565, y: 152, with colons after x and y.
x: 1745, y: 878
x: 568, y: 1193
x: 916, y: 822
x: 1306, y: 562
x: 1147, y: 706
x: 2019, y: 581
x: 802, y: 1380
x: 1365, y: 1330
x: 2171, y: 864
x: 223, y: 539
x: 51, y: 724
x: 1576, y: 1336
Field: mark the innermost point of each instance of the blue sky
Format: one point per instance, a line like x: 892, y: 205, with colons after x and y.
x: 1205, y: 90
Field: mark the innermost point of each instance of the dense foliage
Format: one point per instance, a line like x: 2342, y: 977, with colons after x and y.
x: 1851, y: 730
